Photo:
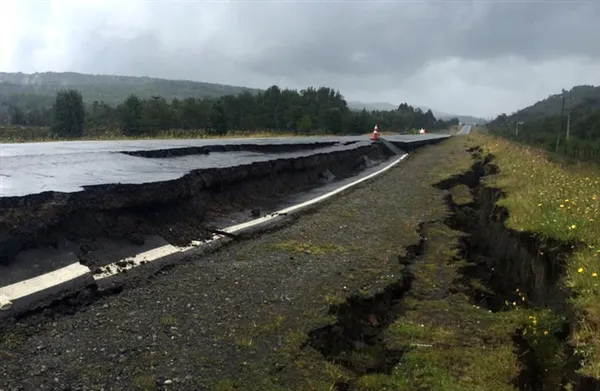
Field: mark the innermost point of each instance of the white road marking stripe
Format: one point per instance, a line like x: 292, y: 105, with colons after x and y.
x: 22, y: 289
x: 33, y: 285
x: 167, y: 250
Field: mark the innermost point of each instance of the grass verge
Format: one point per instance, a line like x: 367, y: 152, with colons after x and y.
x: 561, y: 202
x: 23, y: 134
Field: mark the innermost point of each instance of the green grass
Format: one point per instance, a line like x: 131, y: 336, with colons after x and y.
x: 308, y: 247
x: 561, y: 202
x: 144, y: 383
x: 169, y: 320
x: 21, y: 134
x: 461, y: 195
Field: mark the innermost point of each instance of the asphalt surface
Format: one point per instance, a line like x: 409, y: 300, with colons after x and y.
x: 466, y: 129
x: 31, y: 168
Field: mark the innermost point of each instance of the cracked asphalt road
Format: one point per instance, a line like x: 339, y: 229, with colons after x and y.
x: 232, y: 314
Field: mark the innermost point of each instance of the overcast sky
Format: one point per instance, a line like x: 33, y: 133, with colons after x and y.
x: 463, y: 57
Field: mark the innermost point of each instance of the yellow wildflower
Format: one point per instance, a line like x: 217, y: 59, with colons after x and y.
x: 580, y: 270
x: 594, y: 274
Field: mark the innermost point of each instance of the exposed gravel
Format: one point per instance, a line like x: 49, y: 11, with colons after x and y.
x: 216, y: 317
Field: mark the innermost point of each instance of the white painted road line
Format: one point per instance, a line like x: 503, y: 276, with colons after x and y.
x: 137, y: 260
x: 5, y: 303
x: 13, y: 293
x: 35, y: 289
x: 296, y: 208
x: 168, y: 250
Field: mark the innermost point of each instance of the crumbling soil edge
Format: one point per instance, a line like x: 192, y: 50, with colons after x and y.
x: 528, y: 265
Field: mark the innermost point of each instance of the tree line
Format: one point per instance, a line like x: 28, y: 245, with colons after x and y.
x: 574, y: 132
x: 312, y: 110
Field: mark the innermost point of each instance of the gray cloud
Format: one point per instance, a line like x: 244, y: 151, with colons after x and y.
x: 468, y: 57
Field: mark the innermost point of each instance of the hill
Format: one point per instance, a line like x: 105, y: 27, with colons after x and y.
x: 384, y: 106
x: 551, y: 106
x: 111, y: 89
x: 377, y: 106
x: 541, y: 123
x: 464, y: 119
x: 115, y: 89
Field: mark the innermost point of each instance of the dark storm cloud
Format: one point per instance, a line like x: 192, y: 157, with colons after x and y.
x: 401, y: 37
x: 377, y: 50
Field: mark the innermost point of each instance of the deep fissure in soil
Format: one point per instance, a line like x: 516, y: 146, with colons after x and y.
x: 355, y: 340
x: 512, y: 265
x: 507, y: 263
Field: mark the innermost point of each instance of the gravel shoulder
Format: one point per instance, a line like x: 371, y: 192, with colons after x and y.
x: 267, y: 313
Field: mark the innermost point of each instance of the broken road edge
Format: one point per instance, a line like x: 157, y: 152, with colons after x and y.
x: 40, y: 291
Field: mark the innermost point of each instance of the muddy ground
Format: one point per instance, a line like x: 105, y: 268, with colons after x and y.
x: 376, y: 290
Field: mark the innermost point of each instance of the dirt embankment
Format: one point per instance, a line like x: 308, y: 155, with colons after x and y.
x: 177, y: 210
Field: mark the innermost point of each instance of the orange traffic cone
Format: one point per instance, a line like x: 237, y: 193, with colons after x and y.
x: 375, y: 135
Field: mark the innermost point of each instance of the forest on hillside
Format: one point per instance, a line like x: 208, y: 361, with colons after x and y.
x: 567, y: 123
x: 108, y: 88
x: 309, y: 111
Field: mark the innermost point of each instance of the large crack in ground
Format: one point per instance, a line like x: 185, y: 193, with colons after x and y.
x: 502, y: 267
x: 356, y: 340
x: 526, y: 267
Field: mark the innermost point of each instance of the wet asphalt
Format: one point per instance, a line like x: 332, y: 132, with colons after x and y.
x: 31, y: 168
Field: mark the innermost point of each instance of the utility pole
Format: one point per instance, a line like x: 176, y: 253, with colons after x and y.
x: 517, y: 127
x: 568, y: 124
x: 562, y: 114
x: 569, y: 114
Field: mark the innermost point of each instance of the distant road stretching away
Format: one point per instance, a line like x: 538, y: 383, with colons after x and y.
x: 466, y: 129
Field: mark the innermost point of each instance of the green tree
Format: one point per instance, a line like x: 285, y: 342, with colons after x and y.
x: 69, y: 114
x: 158, y: 115
x: 306, y: 124
x: 131, y: 116
x: 218, y: 119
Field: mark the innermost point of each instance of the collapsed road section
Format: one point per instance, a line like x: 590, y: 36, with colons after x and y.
x: 52, y: 243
